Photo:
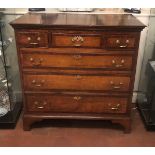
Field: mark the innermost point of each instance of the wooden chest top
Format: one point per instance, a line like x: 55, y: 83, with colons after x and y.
x: 99, y: 21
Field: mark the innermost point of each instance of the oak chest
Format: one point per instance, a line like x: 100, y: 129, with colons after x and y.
x: 77, y: 66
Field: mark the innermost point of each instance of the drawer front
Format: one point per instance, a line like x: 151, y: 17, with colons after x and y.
x: 76, y: 104
x: 121, y: 41
x: 76, y: 40
x: 76, y: 82
x: 32, y: 39
x: 77, y: 61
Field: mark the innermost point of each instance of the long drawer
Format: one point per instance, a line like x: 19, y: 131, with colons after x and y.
x: 76, y: 61
x: 76, y: 82
x: 76, y: 103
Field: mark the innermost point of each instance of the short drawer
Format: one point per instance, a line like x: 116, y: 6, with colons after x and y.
x: 121, y: 41
x: 76, y: 40
x: 76, y: 61
x: 76, y: 103
x: 32, y: 39
x: 76, y: 82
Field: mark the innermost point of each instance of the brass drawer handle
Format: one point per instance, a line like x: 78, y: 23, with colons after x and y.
x: 77, y: 98
x: 116, y: 108
x: 36, y: 63
x: 38, y: 84
x: 40, y: 105
x: 115, y: 86
x: 77, y: 41
x: 118, y: 65
x: 122, y: 46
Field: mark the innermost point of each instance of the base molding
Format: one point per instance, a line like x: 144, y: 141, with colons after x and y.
x: 29, y: 119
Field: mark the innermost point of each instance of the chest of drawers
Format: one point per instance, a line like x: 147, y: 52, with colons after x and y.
x: 77, y: 70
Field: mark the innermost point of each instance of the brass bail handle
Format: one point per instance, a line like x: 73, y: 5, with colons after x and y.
x: 121, y: 64
x: 116, y: 86
x: 40, y: 105
x: 36, y: 62
x: 38, y: 84
x: 33, y: 43
x: 77, y: 40
x: 122, y: 45
x: 117, y: 107
x: 77, y: 98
